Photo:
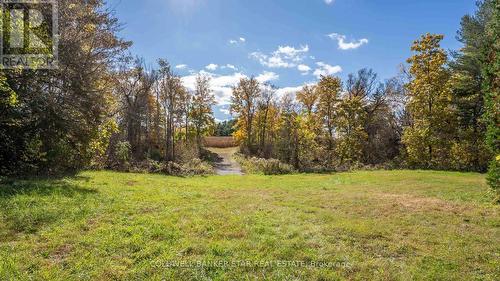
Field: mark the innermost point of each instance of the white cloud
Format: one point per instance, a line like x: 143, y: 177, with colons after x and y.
x: 329, y: 2
x: 212, y: 67
x: 221, y: 85
x: 181, y: 66
x: 304, y: 69
x: 343, y: 45
x: 225, y: 111
x: 230, y: 66
x: 236, y: 41
x: 326, y: 69
x: 283, y: 57
x: 291, y: 52
x: 277, y: 62
x: 267, y: 76
x: 280, y: 93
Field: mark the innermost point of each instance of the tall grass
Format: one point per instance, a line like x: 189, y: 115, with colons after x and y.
x: 220, y: 142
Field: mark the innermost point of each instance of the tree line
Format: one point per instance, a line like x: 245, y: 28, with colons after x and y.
x: 102, y: 108
x: 440, y: 112
x: 157, y: 117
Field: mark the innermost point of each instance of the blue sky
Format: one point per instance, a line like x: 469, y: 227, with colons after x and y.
x: 287, y: 43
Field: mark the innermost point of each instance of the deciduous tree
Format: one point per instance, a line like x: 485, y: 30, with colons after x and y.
x: 244, y: 105
x: 428, y: 141
x: 201, y: 109
x: 328, y: 91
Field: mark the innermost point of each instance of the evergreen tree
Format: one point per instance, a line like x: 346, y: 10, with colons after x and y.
x: 470, y: 150
x: 490, y: 65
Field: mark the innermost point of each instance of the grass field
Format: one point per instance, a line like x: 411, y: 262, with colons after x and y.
x: 397, y: 225
x: 220, y: 142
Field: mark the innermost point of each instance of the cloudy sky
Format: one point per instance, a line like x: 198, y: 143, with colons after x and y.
x: 288, y: 43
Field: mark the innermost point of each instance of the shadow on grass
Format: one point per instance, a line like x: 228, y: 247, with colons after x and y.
x: 211, y: 157
x: 29, y: 205
x: 64, y: 186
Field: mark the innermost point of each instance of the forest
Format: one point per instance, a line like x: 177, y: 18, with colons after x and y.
x: 105, y: 108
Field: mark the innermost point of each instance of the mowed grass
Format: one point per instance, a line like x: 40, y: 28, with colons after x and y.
x: 382, y: 225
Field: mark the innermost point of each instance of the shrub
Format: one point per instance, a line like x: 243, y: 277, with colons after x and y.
x: 210, y: 157
x: 264, y: 166
x: 494, y: 177
x: 195, y: 167
x: 123, y: 154
x: 275, y: 167
x: 100, y: 144
x: 185, y: 152
x: 147, y: 166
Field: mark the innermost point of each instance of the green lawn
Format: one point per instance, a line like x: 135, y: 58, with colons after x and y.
x: 397, y: 225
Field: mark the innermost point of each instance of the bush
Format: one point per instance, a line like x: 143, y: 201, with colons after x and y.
x: 210, y: 157
x: 185, y: 152
x: 264, y: 166
x: 123, y: 154
x: 147, y: 166
x: 275, y: 167
x: 494, y: 177
x: 195, y: 167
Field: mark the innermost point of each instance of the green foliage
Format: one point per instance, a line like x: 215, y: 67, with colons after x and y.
x: 494, y: 176
x: 428, y: 139
x: 244, y: 104
x: 351, y: 135
x: 193, y: 167
x: 123, y: 154
x: 49, y: 118
x: 197, y: 167
x: 325, y: 127
x: 8, y: 98
x: 225, y: 128
x: 308, y: 148
x: 100, y: 144
x: 328, y: 90
x: 491, y: 86
x: 470, y: 151
x: 288, y: 143
x: 254, y: 165
x: 201, y: 113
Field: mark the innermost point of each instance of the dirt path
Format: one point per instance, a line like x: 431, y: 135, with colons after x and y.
x: 228, y: 166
